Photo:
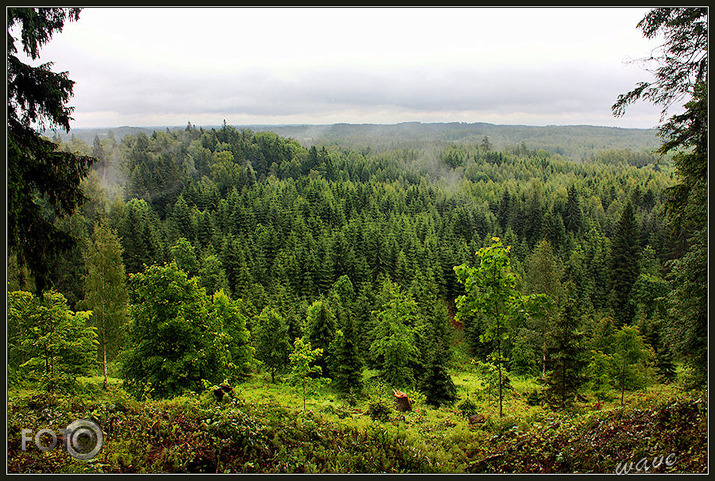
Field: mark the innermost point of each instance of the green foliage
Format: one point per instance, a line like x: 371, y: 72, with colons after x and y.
x: 42, y: 182
x: 437, y: 385
x: 379, y: 410
x: 47, y: 342
x: 345, y: 364
x: 681, y: 76
x: 232, y: 322
x: 492, y: 295
x: 629, y: 352
x: 467, y: 408
x: 302, y: 365
x: 567, y: 356
x: 272, y: 340
x: 184, y: 254
x: 490, y: 380
x: 624, y: 270
x: 393, y: 348
x: 320, y: 331
x: 175, y: 339
x: 106, y: 292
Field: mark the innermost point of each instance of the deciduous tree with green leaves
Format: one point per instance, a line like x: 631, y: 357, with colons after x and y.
x: 302, y: 366
x: 393, y: 348
x: 629, y: 350
x: 106, y: 292
x: 272, y: 341
x: 176, y: 342
x: 230, y: 317
x: 48, y: 342
x: 490, y: 294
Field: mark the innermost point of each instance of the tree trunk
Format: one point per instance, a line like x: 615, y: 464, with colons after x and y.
x: 500, y: 380
x: 104, y: 347
x: 623, y: 382
x: 104, y: 354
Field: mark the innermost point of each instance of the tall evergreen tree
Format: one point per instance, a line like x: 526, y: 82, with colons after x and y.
x: 573, y: 216
x: 101, y: 157
x: 624, y: 266
x: 567, y: 356
x: 40, y: 178
x: 681, y: 73
x: 320, y: 331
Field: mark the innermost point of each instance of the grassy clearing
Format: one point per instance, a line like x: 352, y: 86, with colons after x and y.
x: 264, y: 429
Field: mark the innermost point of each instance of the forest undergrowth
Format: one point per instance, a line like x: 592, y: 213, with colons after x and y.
x: 263, y: 428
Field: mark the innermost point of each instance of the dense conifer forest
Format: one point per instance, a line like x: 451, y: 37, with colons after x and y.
x: 361, y: 298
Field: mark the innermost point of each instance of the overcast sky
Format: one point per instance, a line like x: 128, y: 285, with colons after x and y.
x: 528, y: 66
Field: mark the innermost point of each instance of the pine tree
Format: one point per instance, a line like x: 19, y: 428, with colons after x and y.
x: 106, y: 293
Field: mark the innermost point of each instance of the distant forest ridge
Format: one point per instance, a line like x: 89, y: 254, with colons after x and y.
x: 579, y: 142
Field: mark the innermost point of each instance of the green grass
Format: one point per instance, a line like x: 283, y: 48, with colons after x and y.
x: 266, y: 430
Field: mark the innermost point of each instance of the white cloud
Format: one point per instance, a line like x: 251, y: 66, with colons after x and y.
x: 380, y: 65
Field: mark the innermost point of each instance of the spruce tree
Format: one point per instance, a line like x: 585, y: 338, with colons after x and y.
x: 566, y: 355
x: 36, y: 169
x: 320, y: 331
x: 624, y: 266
